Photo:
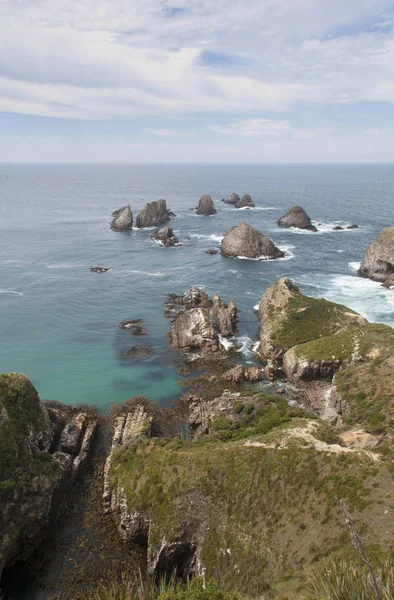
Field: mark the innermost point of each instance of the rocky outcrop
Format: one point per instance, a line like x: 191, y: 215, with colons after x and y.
x: 99, y: 269
x: 240, y: 373
x: 43, y: 448
x: 136, y: 327
x: 389, y: 283
x: 296, y: 217
x: 378, y: 261
x: 165, y: 237
x: 203, y: 412
x: 245, y: 202
x: 122, y: 219
x: 206, y: 206
x: 153, y: 214
x: 197, y: 321
x: 232, y: 199
x: 243, y: 240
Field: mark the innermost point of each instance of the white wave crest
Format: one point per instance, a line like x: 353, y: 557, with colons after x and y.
x: 227, y: 344
x: 215, y: 237
x: 11, y: 292
x: 354, y: 266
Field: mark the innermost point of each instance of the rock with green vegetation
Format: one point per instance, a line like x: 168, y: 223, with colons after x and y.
x: 253, y: 502
x: 34, y: 477
x: 378, y: 261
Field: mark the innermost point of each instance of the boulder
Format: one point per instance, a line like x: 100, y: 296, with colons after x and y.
x: 153, y: 214
x: 165, y: 237
x: 244, y: 202
x: 211, y: 251
x: 99, y: 269
x: 122, y: 219
x: 337, y: 228
x: 296, y: 217
x: 232, y: 199
x: 353, y: 226
x: 378, y: 261
x: 243, y: 240
x: 206, y: 206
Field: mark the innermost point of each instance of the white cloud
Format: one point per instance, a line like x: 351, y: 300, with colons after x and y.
x: 254, y: 127
x: 164, y: 132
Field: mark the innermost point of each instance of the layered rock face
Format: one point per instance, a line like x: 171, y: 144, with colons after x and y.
x: 122, y: 219
x: 378, y: 261
x: 153, y: 214
x: 296, y: 217
x: 206, y: 206
x: 165, y: 237
x: 243, y: 240
x: 232, y: 199
x: 199, y: 321
x: 42, y: 449
x: 245, y: 202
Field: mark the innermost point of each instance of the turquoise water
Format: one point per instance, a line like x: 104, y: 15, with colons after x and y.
x: 60, y: 323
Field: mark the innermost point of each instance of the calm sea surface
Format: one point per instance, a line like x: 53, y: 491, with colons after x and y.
x: 60, y: 322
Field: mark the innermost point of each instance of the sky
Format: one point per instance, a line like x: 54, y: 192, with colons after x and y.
x: 163, y: 81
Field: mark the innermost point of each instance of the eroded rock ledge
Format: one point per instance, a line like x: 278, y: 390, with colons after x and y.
x: 378, y: 261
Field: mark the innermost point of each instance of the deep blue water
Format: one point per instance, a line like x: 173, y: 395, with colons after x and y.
x: 60, y: 323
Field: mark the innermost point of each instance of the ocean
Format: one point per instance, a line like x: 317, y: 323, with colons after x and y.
x: 60, y: 322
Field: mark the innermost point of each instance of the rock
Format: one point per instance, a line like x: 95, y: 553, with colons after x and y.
x: 243, y: 240
x: 136, y: 327
x: 99, y: 269
x: 389, y: 283
x: 296, y: 217
x: 232, y: 199
x: 206, y: 206
x: 136, y: 351
x: 153, y: 214
x: 165, y: 237
x: 241, y: 373
x: 122, y: 219
x: 378, y: 261
x: 199, y: 321
x: 173, y: 557
x: 244, y: 202
x: 211, y: 251
x: 353, y: 227
x: 203, y: 412
x: 337, y: 228
x: 34, y: 477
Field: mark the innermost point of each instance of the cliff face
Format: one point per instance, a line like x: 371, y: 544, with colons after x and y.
x: 42, y: 449
x: 378, y: 261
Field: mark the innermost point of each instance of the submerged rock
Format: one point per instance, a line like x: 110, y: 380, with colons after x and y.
x: 135, y: 326
x: 378, y: 261
x: 34, y: 475
x: 243, y: 240
x: 136, y: 351
x: 165, y: 237
x: 211, y: 251
x: 232, y: 199
x: 99, y: 269
x: 206, y: 206
x: 153, y: 214
x: 296, y: 217
x: 338, y: 228
x: 353, y: 226
x: 122, y: 219
x: 245, y: 202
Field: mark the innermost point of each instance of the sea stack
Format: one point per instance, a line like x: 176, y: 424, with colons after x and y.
x: 245, y: 202
x: 122, y: 219
x: 153, y: 214
x: 165, y: 237
x: 232, y: 199
x: 296, y: 217
x: 243, y: 240
x: 378, y: 261
x: 206, y: 206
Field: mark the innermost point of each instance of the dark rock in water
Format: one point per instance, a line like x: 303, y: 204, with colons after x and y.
x: 233, y: 199
x: 389, y: 283
x: 165, y: 237
x: 136, y: 327
x: 337, y: 228
x: 34, y: 477
x: 353, y: 227
x: 136, y: 351
x: 122, y: 219
x: 246, y: 241
x: 211, y: 251
x: 206, y: 206
x: 99, y: 269
x: 245, y: 202
x: 296, y: 217
x: 378, y: 261
x: 153, y: 214
x: 199, y: 321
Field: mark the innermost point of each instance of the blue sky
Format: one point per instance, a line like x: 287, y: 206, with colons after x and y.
x: 196, y: 80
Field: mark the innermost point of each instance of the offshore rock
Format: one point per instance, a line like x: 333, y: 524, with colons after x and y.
x: 206, y: 206
x: 153, y: 214
x: 378, y: 261
x: 122, y: 219
x: 243, y: 240
x: 232, y: 199
x: 296, y: 217
x: 225, y: 316
x: 165, y: 237
x: 34, y: 477
x: 245, y: 202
